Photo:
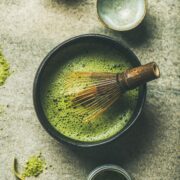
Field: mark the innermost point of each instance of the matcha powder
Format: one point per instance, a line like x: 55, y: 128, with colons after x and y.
x: 4, y: 69
x: 33, y: 168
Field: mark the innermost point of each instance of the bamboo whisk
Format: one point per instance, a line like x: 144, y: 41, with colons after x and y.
x: 96, y: 92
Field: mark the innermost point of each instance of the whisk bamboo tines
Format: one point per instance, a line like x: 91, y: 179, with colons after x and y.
x: 96, y: 92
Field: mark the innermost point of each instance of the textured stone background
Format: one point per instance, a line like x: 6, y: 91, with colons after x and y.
x: 29, y: 29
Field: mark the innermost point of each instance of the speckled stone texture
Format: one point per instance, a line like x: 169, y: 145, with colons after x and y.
x: 29, y: 29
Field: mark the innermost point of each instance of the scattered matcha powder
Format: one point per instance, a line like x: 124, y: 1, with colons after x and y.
x: 1, y: 109
x: 34, y: 167
x: 4, y: 69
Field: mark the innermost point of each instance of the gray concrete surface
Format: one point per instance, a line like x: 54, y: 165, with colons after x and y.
x: 29, y: 29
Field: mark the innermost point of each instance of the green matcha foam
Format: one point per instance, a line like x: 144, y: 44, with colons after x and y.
x: 59, y: 112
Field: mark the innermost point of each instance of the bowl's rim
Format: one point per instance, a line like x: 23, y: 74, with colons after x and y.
x: 122, y: 29
x: 108, y: 167
x: 37, y: 102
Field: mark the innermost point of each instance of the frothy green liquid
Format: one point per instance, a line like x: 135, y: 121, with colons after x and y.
x: 57, y: 107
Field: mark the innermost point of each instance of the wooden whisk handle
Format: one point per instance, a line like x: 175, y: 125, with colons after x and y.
x: 137, y: 76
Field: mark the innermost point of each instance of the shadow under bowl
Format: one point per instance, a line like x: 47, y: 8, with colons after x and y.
x: 58, y: 57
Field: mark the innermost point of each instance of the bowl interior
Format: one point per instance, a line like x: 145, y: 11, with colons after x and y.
x: 121, y: 15
x: 60, y: 56
x: 109, y: 171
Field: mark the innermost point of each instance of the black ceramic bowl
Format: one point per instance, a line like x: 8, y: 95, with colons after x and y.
x: 58, y: 55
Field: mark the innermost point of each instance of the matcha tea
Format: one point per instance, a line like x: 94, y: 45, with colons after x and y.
x: 57, y: 107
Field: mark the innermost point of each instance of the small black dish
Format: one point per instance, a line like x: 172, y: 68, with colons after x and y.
x: 58, y: 55
x: 109, y: 171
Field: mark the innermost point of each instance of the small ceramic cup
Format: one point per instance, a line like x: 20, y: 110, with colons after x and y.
x: 100, y: 171
x: 121, y: 15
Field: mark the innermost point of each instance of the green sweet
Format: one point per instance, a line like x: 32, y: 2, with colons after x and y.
x: 58, y: 109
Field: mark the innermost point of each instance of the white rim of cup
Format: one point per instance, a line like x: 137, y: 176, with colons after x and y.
x: 108, y: 167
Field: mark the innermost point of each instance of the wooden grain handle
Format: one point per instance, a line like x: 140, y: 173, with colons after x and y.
x: 137, y: 76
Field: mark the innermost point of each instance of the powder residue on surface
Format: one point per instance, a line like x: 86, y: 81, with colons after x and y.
x: 33, y: 168
x: 65, y: 119
x: 4, y: 69
x: 1, y: 109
